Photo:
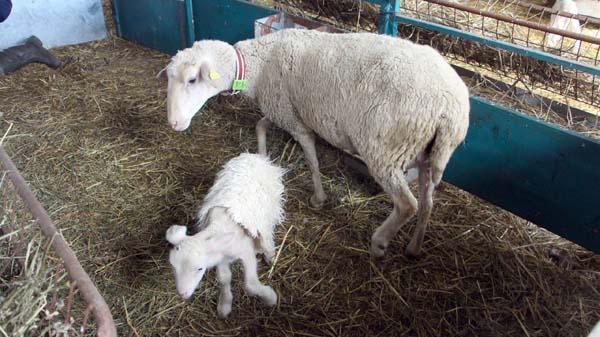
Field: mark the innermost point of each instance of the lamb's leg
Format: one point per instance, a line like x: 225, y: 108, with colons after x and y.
x: 426, y: 187
x: 307, y: 142
x: 261, y: 134
x: 252, y: 284
x: 225, y: 297
x: 405, y: 206
x: 268, y: 249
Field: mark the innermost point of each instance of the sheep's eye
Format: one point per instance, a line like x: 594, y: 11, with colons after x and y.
x: 192, y: 81
x: 200, y: 269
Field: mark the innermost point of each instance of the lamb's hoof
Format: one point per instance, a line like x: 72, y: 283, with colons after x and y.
x: 268, y: 257
x: 316, y: 202
x: 223, y: 311
x: 270, y: 297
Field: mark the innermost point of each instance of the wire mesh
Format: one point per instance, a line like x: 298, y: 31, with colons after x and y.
x: 41, y: 291
x: 513, y: 21
x: 525, y: 26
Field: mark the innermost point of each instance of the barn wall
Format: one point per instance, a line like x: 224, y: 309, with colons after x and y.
x: 55, y: 22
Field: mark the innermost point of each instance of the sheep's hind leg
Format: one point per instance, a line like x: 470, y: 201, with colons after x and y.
x: 405, y: 206
x: 261, y: 134
x: 426, y: 187
x: 306, y: 140
x: 252, y: 284
x: 225, y: 296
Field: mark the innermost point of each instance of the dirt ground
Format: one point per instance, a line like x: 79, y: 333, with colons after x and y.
x: 92, y: 141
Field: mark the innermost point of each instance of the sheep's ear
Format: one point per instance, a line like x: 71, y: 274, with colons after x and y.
x: 176, y: 234
x: 205, y: 72
x: 162, y: 74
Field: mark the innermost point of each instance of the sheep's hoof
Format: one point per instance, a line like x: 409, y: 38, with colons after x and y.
x: 378, y: 246
x: 412, y: 250
x: 377, y: 250
x: 316, y: 202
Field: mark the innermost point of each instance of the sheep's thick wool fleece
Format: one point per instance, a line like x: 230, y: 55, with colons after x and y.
x: 382, y: 98
x: 251, y: 188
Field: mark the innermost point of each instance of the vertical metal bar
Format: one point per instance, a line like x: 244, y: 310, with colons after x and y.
x: 86, y: 316
x: 54, y: 296
x: 388, y: 21
x: 181, y: 21
x: 189, y: 23
x: 115, y: 7
x: 67, y: 312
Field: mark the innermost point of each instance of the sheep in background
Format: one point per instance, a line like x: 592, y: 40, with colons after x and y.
x: 564, y: 23
x: 235, y: 222
x: 394, y: 104
x: 589, y: 8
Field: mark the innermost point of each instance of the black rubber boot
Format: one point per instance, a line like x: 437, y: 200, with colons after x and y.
x: 31, y: 50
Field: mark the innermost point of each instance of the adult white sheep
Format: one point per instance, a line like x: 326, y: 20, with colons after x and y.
x: 235, y: 222
x: 395, y: 104
x: 589, y: 8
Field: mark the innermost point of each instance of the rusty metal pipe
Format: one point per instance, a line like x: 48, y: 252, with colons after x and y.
x: 520, y: 22
x: 549, y: 10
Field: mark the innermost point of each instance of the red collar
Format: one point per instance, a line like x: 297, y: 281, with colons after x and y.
x: 239, y: 84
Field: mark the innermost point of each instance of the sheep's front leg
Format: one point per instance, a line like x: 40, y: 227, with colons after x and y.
x: 307, y: 142
x: 252, y: 284
x: 225, y: 297
x: 261, y: 134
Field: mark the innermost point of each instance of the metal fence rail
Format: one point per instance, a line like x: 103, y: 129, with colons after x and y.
x: 480, y: 33
x: 21, y: 212
x: 511, y: 21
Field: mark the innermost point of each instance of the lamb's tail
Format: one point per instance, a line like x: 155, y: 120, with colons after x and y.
x: 448, y: 136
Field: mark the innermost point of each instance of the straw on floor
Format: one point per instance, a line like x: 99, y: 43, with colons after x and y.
x: 92, y: 140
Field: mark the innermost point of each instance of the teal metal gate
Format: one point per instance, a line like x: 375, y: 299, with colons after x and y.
x: 536, y: 170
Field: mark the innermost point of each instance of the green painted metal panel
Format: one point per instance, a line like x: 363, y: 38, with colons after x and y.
x: 189, y: 23
x: 533, y: 169
x: 151, y: 23
x: 227, y: 20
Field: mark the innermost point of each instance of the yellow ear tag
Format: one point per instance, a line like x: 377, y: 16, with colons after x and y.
x: 214, y: 75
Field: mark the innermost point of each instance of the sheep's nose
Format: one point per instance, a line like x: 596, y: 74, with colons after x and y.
x: 173, y: 124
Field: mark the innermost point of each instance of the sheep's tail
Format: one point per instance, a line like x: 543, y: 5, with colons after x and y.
x: 448, y: 136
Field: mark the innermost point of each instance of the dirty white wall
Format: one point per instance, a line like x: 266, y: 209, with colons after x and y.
x: 55, y: 22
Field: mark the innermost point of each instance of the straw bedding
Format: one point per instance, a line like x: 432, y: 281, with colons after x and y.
x: 92, y: 140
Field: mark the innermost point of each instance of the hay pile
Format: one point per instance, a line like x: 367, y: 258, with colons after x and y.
x: 92, y: 140
x: 29, y: 279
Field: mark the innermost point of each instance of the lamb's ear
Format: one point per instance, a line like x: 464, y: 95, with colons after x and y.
x: 162, y: 74
x: 218, y: 214
x: 176, y: 234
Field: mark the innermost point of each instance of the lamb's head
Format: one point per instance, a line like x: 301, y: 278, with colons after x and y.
x: 194, y: 75
x: 191, y: 256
